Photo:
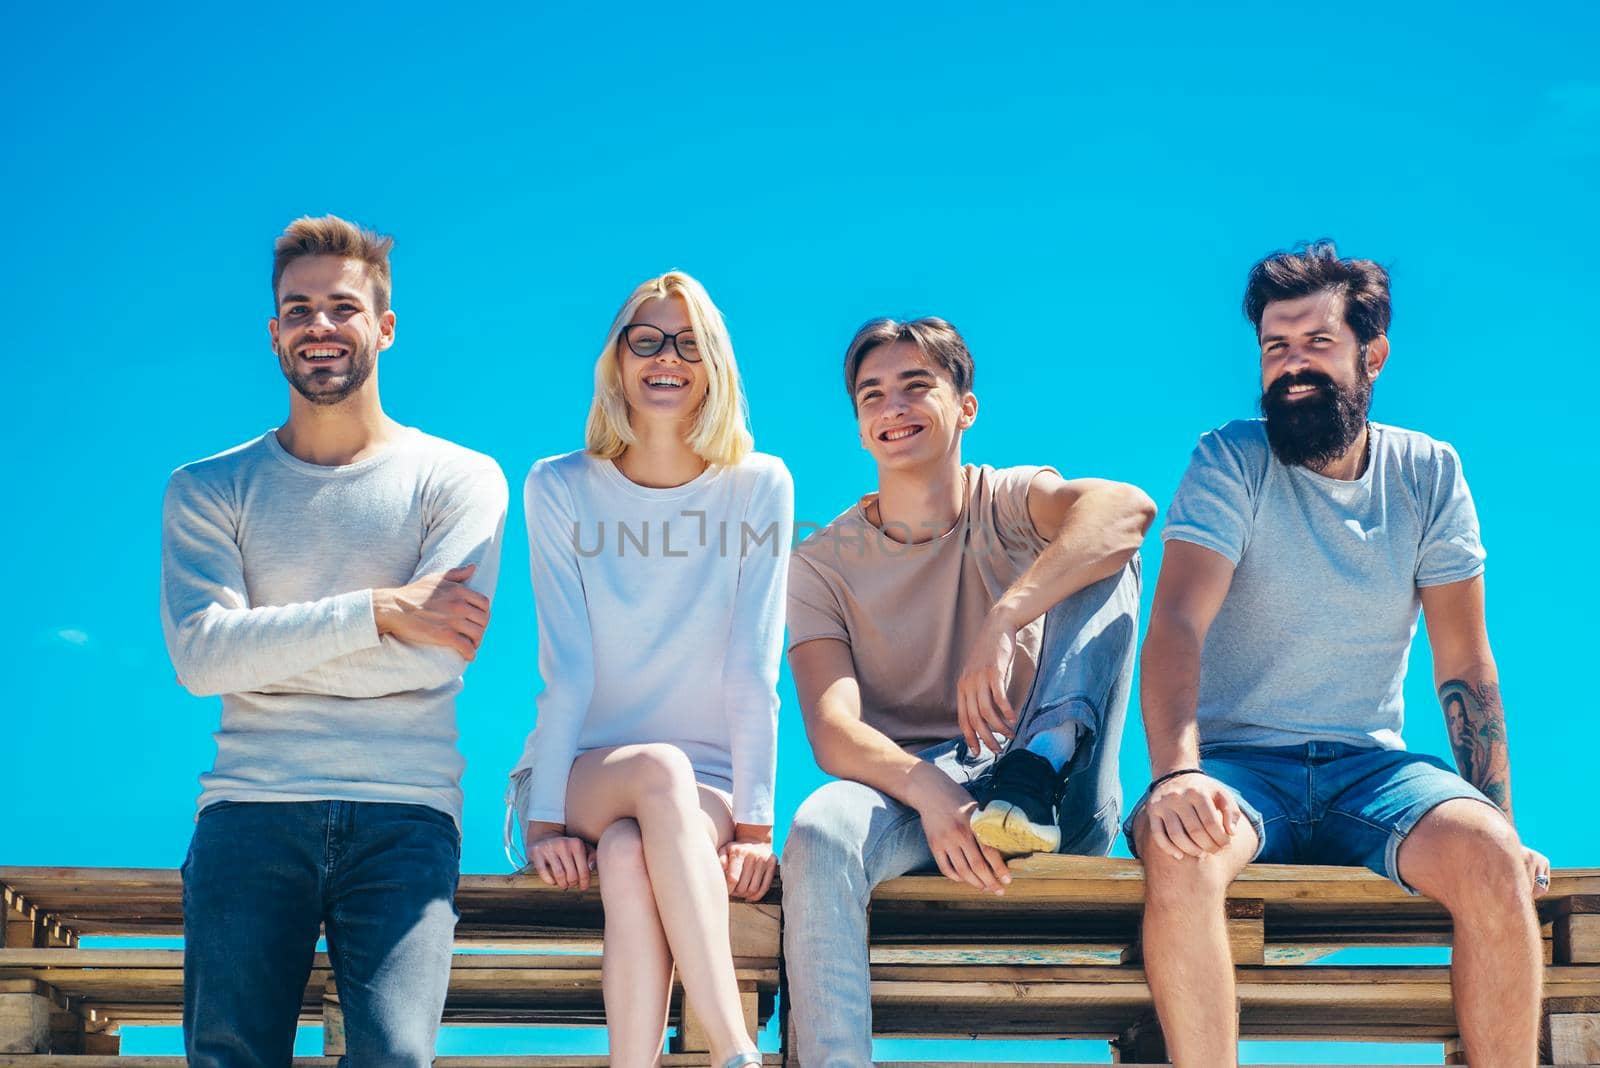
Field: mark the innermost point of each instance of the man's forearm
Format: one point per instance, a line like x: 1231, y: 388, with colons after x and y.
x: 1102, y: 532
x: 850, y: 749
x: 218, y: 649
x: 1477, y: 724
x: 1168, y: 694
x: 390, y: 667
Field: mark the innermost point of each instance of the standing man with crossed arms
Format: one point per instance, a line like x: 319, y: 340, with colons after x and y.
x: 1299, y: 549
x: 331, y: 580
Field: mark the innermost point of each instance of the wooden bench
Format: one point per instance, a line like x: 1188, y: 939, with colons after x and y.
x: 1058, y: 956
x: 526, y: 954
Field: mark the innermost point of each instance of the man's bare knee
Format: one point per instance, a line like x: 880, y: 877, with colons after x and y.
x: 1467, y: 857
x: 1171, y: 882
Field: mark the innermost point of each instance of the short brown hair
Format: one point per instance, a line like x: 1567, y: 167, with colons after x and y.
x: 333, y: 236
x: 935, y: 338
x: 1317, y: 268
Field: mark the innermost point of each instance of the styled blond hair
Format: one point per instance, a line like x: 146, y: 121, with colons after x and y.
x: 333, y: 236
x: 721, y: 433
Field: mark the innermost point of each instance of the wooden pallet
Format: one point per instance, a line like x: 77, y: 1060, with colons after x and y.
x: 63, y: 997
x: 1058, y: 956
x: 54, y: 906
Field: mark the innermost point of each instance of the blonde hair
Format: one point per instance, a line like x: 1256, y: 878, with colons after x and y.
x: 333, y: 236
x: 721, y: 432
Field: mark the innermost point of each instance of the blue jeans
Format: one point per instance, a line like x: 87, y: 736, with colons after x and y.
x: 262, y: 878
x: 847, y: 837
x: 1332, y: 802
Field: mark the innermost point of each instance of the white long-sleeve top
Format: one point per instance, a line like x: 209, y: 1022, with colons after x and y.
x: 660, y: 617
x: 267, y: 570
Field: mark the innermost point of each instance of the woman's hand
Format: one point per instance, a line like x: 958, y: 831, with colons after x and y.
x: 558, y: 858
x: 748, y: 862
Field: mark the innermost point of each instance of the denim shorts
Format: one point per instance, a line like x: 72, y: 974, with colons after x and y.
x: 1331, y: 802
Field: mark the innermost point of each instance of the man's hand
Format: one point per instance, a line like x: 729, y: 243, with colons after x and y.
x: 946, y: 811
x: 981, y: 705
x: 435, y: 610
x: 1538, y: 866
x: 748, y: 863
x: 1191, y: 815
x: 556, y: 857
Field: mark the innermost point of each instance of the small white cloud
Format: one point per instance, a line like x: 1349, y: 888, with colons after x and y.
x: 73, y: 636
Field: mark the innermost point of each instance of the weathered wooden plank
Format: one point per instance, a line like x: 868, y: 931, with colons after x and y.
x: 1321, y: 1003
x: 1104, y: 953
x: 148, y: 902
x: 24, y: 986
x: 1056, y: 878
x: 1577, y: 936
x: 172, y: 959
x: 333, y: 1039
x: 691, y: 1036
x: 1246, y: 922
x: 25, y: 1023
x: 1264, y: 881
x: 1572, y: 1038
x: 21, y: 923
x: 754, y: 930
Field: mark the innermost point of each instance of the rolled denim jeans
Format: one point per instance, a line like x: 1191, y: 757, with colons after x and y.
x: 847, y: 837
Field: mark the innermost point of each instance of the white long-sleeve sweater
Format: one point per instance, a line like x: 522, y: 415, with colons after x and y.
x: 267, y: 571
x: 660, y: 618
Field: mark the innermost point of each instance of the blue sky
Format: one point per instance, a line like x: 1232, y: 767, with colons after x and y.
x: 1080, y: 189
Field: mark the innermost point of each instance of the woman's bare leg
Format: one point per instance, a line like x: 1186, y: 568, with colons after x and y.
x: 680, y: 832
x: 636, y: 969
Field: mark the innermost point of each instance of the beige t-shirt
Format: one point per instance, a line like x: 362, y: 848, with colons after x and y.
x: 910, y: 612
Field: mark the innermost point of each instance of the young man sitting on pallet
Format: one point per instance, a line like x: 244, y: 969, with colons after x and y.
x: 1298, y: 550
x: 955, y: 607
x: 331, y: 580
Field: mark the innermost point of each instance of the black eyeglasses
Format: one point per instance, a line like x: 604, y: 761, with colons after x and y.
x: 646, y: 340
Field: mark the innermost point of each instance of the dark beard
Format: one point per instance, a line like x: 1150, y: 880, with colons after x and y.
x: 319, y: 389
x: 1318, y: 430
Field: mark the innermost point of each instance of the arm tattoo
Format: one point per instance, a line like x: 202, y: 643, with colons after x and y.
x: 1477, y: 725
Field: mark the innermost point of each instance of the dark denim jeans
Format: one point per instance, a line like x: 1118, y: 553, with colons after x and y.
x: 262, y: 879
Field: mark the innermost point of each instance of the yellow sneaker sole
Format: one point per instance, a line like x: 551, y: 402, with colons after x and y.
x: 1007, y: 828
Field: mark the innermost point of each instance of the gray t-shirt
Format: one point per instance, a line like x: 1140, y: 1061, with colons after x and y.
x: 1312, y: 640
x: 267, y: 570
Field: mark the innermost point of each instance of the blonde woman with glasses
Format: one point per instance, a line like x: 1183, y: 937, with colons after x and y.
x: 659, y: 556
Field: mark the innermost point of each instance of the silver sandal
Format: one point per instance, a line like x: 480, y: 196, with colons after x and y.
x: 739, y: 1060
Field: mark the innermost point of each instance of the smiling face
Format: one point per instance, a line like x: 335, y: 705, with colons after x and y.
x: 1316, y: 378
x: 328, y: 331
x: 907, y: 408
x: 662, y: 386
